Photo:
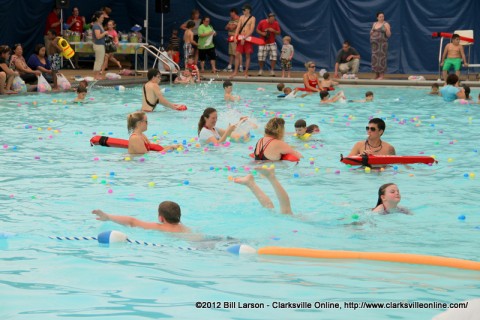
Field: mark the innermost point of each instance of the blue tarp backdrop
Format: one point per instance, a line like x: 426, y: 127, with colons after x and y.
x: 317, y: 27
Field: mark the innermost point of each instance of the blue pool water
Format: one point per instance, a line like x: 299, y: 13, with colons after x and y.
x: 51, y: 179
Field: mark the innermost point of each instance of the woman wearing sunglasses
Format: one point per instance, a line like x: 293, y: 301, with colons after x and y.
x: 374, y: 144
x: 310, y: 78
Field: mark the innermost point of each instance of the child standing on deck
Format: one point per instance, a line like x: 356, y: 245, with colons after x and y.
x: 453, y: 55
x: 188, y: 41
x: 286, y: 56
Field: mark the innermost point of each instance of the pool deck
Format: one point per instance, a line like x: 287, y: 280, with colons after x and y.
x: 364, y: 79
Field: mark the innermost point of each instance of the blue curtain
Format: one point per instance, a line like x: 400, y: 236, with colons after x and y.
x: 317, y: 27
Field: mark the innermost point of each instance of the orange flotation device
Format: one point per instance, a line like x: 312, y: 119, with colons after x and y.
x: 119, y: 143
x: 449, y: 35
x: 409, y: 258
x: 67, y: 51
x: 369, y: 160
x: 285, y: 157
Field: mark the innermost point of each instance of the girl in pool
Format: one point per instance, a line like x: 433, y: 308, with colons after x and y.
x: 271, y: 146
x: 388, y: 199
x: 208, y: 133
x: 138, y: 143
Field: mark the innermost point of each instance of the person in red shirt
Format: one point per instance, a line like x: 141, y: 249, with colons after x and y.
x: 53, y: 22
x: 76, y: 22
x: 268, y: 29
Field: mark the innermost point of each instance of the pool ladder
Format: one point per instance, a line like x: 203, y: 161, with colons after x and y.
x: 157, y: 53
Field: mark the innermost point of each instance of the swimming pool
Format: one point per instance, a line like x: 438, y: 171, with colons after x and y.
x: 52, y: 179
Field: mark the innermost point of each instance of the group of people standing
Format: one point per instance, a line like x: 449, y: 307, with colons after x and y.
x: 199, y: 33
x: 103, y: 33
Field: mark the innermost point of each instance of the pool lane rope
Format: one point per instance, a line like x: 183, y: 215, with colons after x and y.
x: 108, y: 237
x: 408, y: 258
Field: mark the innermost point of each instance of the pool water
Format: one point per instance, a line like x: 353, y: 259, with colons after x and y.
x: 51, y: 180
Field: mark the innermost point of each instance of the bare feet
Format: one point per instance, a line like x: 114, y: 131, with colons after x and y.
x: 268, y: 172
x: 233, y: 75
x: 246, y: 180
x: 246, y: 75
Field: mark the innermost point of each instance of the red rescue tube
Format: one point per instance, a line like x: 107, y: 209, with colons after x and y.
x: 253, y: 40
x: 368, y: 160
x: 449, y: 35
x: 285, y: 157
x: 119, y: 143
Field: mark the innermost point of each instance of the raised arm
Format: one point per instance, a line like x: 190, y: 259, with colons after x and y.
x: 125, y: 220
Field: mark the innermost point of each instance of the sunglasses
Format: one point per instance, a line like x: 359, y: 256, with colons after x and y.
x: 373, y: 129
x: 311, y: 66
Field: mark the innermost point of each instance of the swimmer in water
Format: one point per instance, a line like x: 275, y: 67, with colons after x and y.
x: 137, y: 124
x: 169, y: 215
x: 373, y: 144
x: 227, y: 88
x: 388, y: 199
x: 303, y: 132
x: 81, y: 94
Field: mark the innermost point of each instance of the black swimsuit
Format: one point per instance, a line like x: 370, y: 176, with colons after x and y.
x: 146, y: 100
x: 261, y: 154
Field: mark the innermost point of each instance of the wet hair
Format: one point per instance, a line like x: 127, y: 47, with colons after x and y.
x: 300, y: 123
x: 369, y: 94
x: 326, y: 75
x: 82, y: 89
x: 313, y: 128
x: 275, y: 127
x: 280, y: 86
x: 455, y: 36
x: 206, y: 114
x: 323, y: 94
x: 133, y: 119
x: 379, y: 122
x: 381, y: 192
x: 170, y: 211
x: 190, y: 24
x: 97, y: 15
x: 379, y: 13
x: 308, y: 63
x: 452, y: 79
x: 467, y: 91
x: 227, y: 84
x: 38, y: 47
x: 288, y: 38
x: 435, y: 85
x: 152, y: 72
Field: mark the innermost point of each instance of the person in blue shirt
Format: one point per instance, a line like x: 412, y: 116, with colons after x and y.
x: 451, y: 91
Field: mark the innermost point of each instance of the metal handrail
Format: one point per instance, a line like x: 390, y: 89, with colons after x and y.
x: 158, y: 56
